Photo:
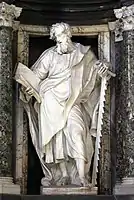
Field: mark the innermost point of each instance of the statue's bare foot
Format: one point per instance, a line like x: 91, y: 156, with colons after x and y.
x: 85, y: 182
x: 64, y: 181
x: 45, y: 182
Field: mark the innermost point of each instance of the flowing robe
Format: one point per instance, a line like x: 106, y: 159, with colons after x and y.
x: 67, y: 115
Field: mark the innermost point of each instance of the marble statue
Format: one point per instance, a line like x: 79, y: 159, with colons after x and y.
x: 63, y: 124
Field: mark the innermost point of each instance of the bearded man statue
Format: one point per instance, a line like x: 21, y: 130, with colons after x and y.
x: 64, y: 123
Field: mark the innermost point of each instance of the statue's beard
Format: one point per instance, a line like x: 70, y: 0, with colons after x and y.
x: 64, y: 48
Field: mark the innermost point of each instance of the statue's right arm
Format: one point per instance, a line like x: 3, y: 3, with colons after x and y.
x: 41, y: 66
x: 41, y: 71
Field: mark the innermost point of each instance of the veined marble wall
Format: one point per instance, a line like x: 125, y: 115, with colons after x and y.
x: 123, y: 29
x: 6, y: 101
x: 7, y: 15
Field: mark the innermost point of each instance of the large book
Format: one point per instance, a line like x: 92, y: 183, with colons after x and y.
x: 28, y: 79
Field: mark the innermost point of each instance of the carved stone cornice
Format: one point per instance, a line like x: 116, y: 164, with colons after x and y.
x: 124, y: 22
x: 125, y: 15
x: 8, y: 13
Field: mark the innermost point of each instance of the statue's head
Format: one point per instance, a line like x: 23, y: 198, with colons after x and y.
x: 61, y: 33
x: 59, y: 30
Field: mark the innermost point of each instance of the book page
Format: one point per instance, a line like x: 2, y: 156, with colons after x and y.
x: 28, y: 79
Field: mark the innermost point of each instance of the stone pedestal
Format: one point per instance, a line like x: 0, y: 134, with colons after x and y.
x: 124, y: 36
x: 7, y: 186
x: 68, y: 190
x: 126, y: 187
x: 7, y: 14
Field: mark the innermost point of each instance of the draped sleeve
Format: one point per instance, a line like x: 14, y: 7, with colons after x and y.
x: 41, y: 66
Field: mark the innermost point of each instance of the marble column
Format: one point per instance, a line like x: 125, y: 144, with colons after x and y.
x: 124, y: 95
x: 7, y: 15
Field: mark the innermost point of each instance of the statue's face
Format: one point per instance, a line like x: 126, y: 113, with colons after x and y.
x: 61, y: 37
x: 62, y: 41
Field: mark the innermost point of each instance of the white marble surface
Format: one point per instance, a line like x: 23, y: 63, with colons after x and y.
x: 126, y: 187
x: 8, y: 187
x: 69, y: 190
x: 23, y: 42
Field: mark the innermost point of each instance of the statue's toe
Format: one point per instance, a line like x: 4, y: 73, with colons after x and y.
x: 85, y: 182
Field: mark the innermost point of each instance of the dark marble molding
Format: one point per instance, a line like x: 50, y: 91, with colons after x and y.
x: 105, y: 154
x: 125, y: 106
x: 118, y: 104
x: 112, y: 114
x: 128, y: 63
x: 5, y: 101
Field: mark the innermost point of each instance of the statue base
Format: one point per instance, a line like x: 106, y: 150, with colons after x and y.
x: 72, y: 190
x: 8, y: 187
x: 126, y: 187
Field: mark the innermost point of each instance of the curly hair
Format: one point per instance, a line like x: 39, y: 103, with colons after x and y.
x: 63, y: 26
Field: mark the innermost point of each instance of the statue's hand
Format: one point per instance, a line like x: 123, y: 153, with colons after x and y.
x: 102, y: 68
x: 29, y: 91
